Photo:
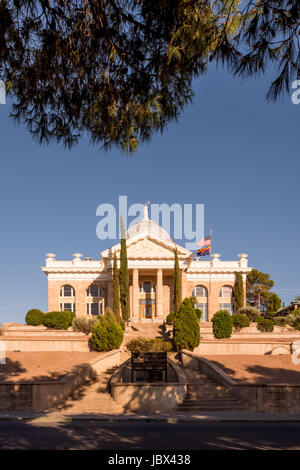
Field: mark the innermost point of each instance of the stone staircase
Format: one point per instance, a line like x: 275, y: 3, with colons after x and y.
x: 92, y: 398
x: 204, y: 394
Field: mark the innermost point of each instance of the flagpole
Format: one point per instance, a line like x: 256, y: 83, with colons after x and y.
x: 210, y: 232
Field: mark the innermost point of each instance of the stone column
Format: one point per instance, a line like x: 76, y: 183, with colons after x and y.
x: 135, y: 294
x: 159, y: 294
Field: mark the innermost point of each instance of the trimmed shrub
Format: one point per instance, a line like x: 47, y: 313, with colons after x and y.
x: 148, y: 345
x: 170, y: 318
x: 198, y: 313
x: 186, y: 327
x: 265, y: 325
x: 222, y: 324
x: 57, y: 320
x: 34, y: 317
x: 240, y: 321
x: 258, y: 318
x: 71, y: 317
x: 107, y: 335
x: 85, y: 325
x: 280, y: 321
x: 250, y: 312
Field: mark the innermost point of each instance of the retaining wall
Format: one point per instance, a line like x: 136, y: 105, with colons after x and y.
x: 275, y: 398
x: 39, y: 396
x: 149, y: 397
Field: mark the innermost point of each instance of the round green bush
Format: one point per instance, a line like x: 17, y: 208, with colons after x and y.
x: 240, y: 321
x: 186, y: 329
x: 107, y: 335
x: 57, y: 320
x: 148, y: 345
x: 170, y: 318
x: 222, y: 324
x: 34, y: 317
x: 250, y: 312
x: 265, y: 325
x: 198, y: 313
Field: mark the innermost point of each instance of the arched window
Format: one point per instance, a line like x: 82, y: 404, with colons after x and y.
x: 200, y: 292
x: 67, y: 299
x: 67, y: 291
x: 226, y: 291
x: 147, y: 287
x: 226, y: 301
x: 94, y: 291
x: 94, y: 300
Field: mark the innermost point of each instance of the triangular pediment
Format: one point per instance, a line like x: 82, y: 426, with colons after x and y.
x: 148, y: 248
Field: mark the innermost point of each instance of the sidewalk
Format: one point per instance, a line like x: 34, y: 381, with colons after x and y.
x: 219, y: 416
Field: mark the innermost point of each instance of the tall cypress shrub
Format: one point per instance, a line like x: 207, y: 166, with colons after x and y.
x: 124, y: 279
x: 116, y: 288
x: 186, y: 327
x: 238, y: 292
x: 176, y: 284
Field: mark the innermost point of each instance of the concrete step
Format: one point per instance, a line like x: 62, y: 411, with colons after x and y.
x: 92, y: 397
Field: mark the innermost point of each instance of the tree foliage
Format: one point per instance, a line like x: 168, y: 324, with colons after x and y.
x: 120, y: 70
x: 186, y: 327
x: 238, y: 292
x: 258, y: 286
x: 124, y: 279
x: 274, y: 302
x: 176, y: 283
x: 116, y: 288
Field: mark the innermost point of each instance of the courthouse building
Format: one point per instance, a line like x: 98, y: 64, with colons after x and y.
x: 84, y: 286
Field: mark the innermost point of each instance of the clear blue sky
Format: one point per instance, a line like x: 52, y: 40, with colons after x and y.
x: 230, y: 150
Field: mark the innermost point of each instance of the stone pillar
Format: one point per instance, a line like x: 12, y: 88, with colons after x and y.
x: 159, y: 294
x: 135, y: 294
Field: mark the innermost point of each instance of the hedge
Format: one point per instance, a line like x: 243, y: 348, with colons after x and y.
x: 148, y: 345
x: 57, y: 320
x: 222, y: 324
x: 34, y: 317
x: 240, y: 321
x: 265, y: 325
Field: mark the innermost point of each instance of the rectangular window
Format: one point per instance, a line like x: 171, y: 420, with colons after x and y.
x: 95, y: 308
x: 228, y: 307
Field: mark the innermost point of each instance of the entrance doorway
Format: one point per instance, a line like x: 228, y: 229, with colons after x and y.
x: 146, y: 308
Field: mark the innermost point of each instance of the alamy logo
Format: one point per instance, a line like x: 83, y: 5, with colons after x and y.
x: 180, y: 221
x: 2, y: 92
x: 296, y: 94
